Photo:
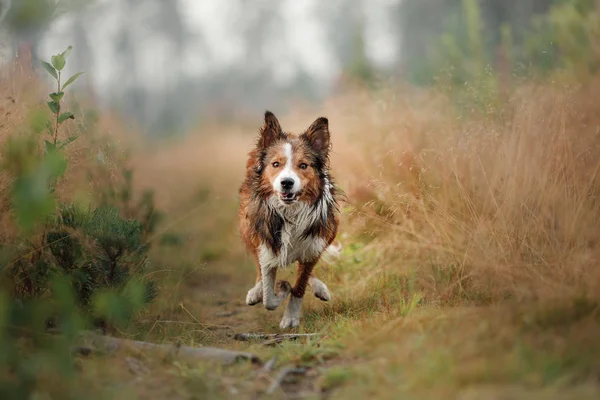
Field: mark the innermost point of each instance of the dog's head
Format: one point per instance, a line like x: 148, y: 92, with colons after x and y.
x: 290, y: 167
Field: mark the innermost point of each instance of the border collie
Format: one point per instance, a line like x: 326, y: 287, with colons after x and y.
x: 289, y: 213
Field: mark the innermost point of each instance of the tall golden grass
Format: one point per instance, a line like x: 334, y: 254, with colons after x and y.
x: 499, y: 204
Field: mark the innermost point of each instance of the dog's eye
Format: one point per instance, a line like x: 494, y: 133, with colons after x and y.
x: 303, y: 166
x: 275, y: 164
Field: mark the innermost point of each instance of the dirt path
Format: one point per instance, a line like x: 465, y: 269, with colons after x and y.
x: 212, y: 310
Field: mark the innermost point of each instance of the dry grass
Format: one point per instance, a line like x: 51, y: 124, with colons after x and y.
x: 471, y: 245
x: 498, y: 210
x: 487, y: 208
x: 470, y: 266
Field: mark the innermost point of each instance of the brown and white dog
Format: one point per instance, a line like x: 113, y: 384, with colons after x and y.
x: 289, y: 213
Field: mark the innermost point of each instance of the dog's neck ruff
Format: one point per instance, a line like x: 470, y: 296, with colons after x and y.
x: 299, y: 223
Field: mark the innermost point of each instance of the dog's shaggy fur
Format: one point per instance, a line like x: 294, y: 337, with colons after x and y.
x: 288, y: 213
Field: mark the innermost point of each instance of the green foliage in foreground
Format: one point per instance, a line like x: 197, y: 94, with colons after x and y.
x: 70, y: 267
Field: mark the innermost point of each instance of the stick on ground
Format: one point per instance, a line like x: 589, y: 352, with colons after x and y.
x: 112, y: 344
x: 273, y: 337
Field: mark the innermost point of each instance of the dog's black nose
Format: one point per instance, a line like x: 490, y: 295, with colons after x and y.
x: 287, y: 184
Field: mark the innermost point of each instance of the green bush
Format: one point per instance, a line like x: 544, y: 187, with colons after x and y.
x: 69, y: 266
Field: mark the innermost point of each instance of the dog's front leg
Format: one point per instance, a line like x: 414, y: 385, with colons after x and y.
x: 272, y: 300
x: 255, y: 294
x: 291, y: 316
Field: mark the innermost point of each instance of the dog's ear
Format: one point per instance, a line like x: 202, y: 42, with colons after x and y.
x: 271, y: 131
x: 317, y: 136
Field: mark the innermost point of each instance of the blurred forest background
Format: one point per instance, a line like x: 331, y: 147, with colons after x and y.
x: 168, y: 63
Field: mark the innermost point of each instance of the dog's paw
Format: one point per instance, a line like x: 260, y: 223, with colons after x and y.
x: 289, y: 322
x: 319, y: 289
x: 255, y: 295
x: 291, y: 316
x: 283, y: 289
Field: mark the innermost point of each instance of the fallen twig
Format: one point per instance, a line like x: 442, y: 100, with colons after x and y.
x: 273, y: 337
x: 166, y: 321
x: 283, y: 374
x: 273, y: 341
x: 163, y: 321
x: 112, y: 344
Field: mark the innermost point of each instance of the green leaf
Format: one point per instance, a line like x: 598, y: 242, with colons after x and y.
x: 50, y: 69
x: 66, y: 305
x: 32, y: 200
x: 108, y: 304
x: 66, y: 53
x: 49, y: 128
x: 49, y: 146
x: 65, y: 116
x: 57, y: 97
x: 38, y: 120
x: 134, y: 292
x: 71, y: 139
x: 58, y: 62
x: 54, y: 107
x: 72, y: 79
x: 55, y: 163
x: 32, y: 195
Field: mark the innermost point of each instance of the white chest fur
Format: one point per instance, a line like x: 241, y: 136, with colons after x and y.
x: 294, y: 247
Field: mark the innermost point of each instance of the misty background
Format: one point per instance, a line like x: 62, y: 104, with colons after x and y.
x: 170, y: 63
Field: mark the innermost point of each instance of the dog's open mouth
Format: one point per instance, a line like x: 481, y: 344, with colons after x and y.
x: 288, y: 198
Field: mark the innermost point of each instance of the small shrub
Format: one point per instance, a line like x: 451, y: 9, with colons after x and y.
x: 99, y: 247
x: 65, y: 265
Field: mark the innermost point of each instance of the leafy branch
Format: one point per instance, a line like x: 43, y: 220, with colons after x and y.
x: 54, y: 67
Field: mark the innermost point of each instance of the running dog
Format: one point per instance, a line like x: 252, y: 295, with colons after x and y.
x: 289, y: 213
